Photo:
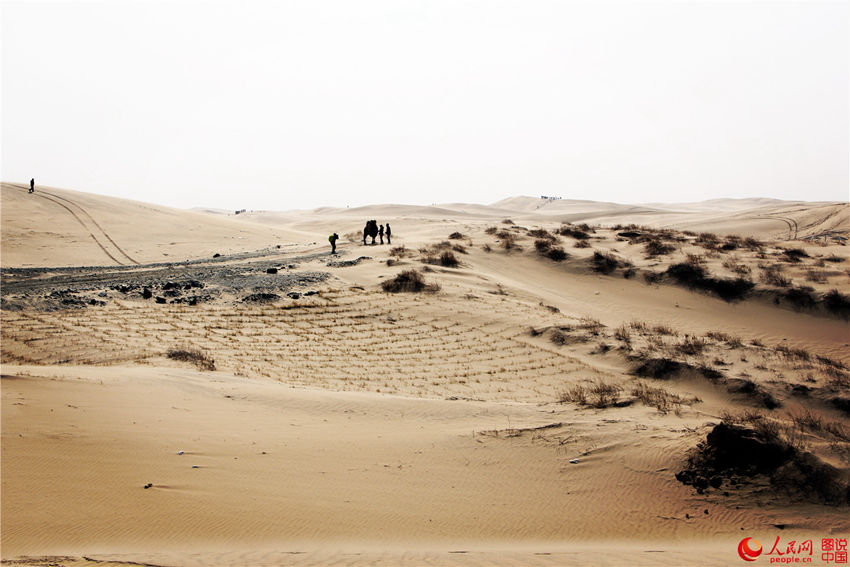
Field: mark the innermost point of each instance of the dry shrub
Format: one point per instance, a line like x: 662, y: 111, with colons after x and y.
x: 399, y: 252
x: 656, y: 247
x: 448, y: 260
x: 801, y: 297
x: 691, y: 346
x: 491, y: 230
x: 718, y: 336
x: 651, y: 277
x: 591, y: 324
x: 708, y: 240
x: 577, y: 233
x: 456, y: 236
x: 695, y: 275
x: 772, y: 275
x: 798, y: 353
x: 543, y: 234
x: 507, y: 221
x: 604, y: 263
x: 817, y: 276
x: 408, y: 281
x: 659, y: 398
x: 507, y: 240
x: 193, y: 355
x: 733, y: 265
x: 556, y: 253
x: 599, y: 394
x: 542, y: 246
x: 577, y: 395
x: 837, y: 303
x: 602, y: 394
x: 559, y: 337
x: 794, y: 255
x: 581, y: 244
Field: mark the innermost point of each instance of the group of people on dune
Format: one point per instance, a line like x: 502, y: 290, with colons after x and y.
x: 372, y: 229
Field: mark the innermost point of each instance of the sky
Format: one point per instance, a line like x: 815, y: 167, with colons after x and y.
x: 297, y: 104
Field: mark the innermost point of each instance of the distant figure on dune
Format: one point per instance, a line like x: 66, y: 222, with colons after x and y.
x: 381, y: 233
x: 32, y: 185
x: 389, y: 233
x: 371, y: 229
x: 332, y: 239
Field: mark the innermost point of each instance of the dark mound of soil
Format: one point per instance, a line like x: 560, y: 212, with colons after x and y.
x: 733, y: 454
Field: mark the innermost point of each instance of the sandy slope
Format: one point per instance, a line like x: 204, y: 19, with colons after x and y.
x: 57, y: 227
x: 352, y: 426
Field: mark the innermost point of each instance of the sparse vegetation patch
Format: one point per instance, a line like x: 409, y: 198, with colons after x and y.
x: 193, y: 355
x: 409, y: 281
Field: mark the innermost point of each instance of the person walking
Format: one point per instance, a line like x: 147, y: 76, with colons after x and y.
x: 389, y: 233
x: 332, y: 239
x: 381, y: 233
x: 32, y: 185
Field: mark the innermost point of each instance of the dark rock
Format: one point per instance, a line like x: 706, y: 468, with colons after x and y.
x: 293, y: 295
x: 311, y: 292
x: 147, y: 293
x: 271, y: 271
x: 261, y: 298
x: 716, y: 481
x: 160, y: 299
x: 216, y: 255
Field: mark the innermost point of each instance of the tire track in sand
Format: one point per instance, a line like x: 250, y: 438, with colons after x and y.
x: 793, y: 228
x: 104, y: 236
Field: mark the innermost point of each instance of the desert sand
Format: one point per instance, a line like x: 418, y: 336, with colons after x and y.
x: 211, y: 388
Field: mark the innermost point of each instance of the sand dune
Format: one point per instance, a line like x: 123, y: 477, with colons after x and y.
x: 536, y: 409
x: 57, y: 227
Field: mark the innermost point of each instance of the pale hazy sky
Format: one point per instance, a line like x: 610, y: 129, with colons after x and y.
x: 299, y: 104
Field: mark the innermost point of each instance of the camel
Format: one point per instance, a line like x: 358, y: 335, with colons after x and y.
x: 371, y: 229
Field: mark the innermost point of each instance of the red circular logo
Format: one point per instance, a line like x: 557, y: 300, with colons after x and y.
x: 749, y: 549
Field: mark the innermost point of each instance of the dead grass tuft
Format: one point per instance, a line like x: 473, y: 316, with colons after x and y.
x: 409, y: 281
x: 599, y: 394
x: 193, y: 355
